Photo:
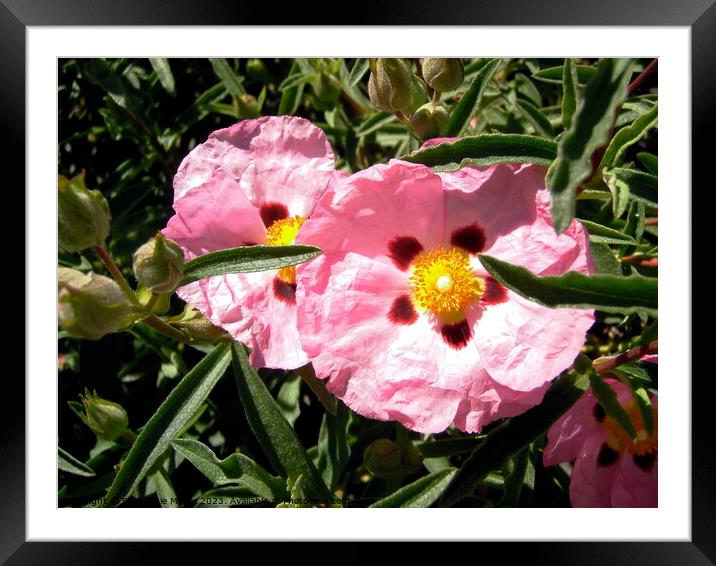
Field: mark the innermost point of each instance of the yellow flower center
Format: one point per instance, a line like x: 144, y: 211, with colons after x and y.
x: 620, y: 441
x: 283, y: 233
x: 444, y: 283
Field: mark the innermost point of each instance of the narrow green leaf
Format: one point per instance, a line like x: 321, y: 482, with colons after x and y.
x: 516, y: 433
x: 486, y: 149
x: 294, y: 81
x: 555, y: 75
x: 637, y: 185
x: 604, y: 235
x: 608, y: 400
x: 164, y: 74
x: 641, y: 397
x: 626, y: 137
x: 603, y: 292
x: 421, y: 493
x: 569, y: 92
x: 519, y: 483
x: 357, y: 72
x: 245, y: 259
x: 230, y: 80
x: 465, y: 108
x: 589, y: 131
x: 291, y: 98
x: 68, y: 463
x: 333, y: 448
x: 449, y: 446
x: 276, y: 437
x: 288, y: 398
x: 526, y: 88
x: 375, y: 123
x: 605, y: 260
x: 534, y: 116
x: 164, y: 489
x: 235, y: 469
x: 649, y: 161
x: 167, y: 422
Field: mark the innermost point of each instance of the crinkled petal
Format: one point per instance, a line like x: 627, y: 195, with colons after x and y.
x: 633, y: 486
x: 566, y: 436
x: 590, y: 485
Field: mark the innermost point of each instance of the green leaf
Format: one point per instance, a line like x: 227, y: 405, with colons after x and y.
x: 68, y: 463
x: 167, y: 422
x: 555, y: 75
x: 604, y: 235
x: 589, y: 131
x: 569, y: 92
x: 534, y: 116
x: 527, y: 89
x: 294, y: 81
x: 375, y: 123
x: 291, y: 98
x: 164, y: 74
x: 227, y: 76
x: 443, y: 447
x: 357, y: 72
x: 164, y: 489
x: 288, y: 398
x: 520, y: 482
x: 605, y: 260
x: 236, y: 469
x: 641, y: 397
x: 608, y: 400
x: 468, y: 104
x: 245, y: 259
x: 333, y: 448
x: 421, y: 493
x: 638, y: 185
x: 507, y: 439
x: 649, y: 161
x: 603, y: 292
x: 626, y: 137
x: 276, y: 437
x: 484, y: 150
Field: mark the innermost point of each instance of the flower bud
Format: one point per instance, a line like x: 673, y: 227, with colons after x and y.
x: 248, y: 107
x: 106, y: 419
x: 90, y: 306
x: 389, y: 85
x: 429, y: 121
x: 256, y: 70
x: 443, y: 74
x: 326, y: 87
x: 197, y: 325
x: 83, y: 215
x: 383, y: 458
x: 158, y: 264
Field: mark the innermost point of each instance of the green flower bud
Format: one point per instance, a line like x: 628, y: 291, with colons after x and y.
x: 90, y: 306
x: 256, y: 70
x: 158, y: 264
x: 429, y: 121
x: 443, y: 74
x: 389, y: 85
x: 248, y: 107
x: 106, y: 419
x: 327, y: 87
x: 197, y: 325
x: 83, y: 215
x: 383, y: 458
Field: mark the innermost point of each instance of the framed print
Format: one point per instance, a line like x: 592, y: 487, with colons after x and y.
x: 407, y: 262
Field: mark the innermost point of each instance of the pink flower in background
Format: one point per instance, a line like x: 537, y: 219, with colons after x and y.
x: 253, y: 183
x: 610, y: 469
x: 401, y: 318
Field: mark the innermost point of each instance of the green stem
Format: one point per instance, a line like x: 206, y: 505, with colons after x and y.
x: 168, y: 330
x: 116, y: 274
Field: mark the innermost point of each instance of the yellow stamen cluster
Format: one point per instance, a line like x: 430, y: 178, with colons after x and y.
x: 444, y: 283
x: 620, y: 441
x: 283, y: 233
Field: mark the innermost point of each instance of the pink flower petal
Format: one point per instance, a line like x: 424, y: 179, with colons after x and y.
x: 634, y: 486
x: 590, y: 484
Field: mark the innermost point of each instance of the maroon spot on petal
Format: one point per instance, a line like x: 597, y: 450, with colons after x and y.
x: 456, y: 335
x: 494, y: 293
x: 402, y: 311
x: 470, y: 238
x: 249, y: 244
x: 284, y: 291
x: 599, y: 413
x: 403, y: 249
x: 644, y: 461
x: 607, y: 456
x: 272, y: 211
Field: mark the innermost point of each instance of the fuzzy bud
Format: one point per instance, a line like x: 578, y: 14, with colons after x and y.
x: 443, y: 74
x: 158, y: 264
x: 429, y: 121
x: 106, y: 419
x: 326, y: 87
x: 90, y: 306
x: 197, y: 325
x: 389, y: 85
x: 82, y: 216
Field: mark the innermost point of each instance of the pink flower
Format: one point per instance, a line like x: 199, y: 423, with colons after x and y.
x: 401, y: 318
x: 253, y: 183
x: 610, y: 469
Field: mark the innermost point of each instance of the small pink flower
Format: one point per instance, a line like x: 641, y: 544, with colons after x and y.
x: 401, y: 318
x: 253, y: 183
x: 610, y: 469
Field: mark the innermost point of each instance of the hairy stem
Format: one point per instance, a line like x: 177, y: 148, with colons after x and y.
x: 603, y: 365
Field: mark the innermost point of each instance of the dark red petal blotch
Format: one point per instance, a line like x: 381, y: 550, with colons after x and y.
x: 403, y: 249
x: 494, y: 293
x: 645, y: 461
x: 470, y: 238
x: 272, y: 211
x: 402, y: 311
x: 456, y: 335
x: 284, y: 291
x: 607, y: 456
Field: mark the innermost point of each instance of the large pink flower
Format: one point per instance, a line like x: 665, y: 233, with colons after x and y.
x: 401, y: 318
x: 610, y: 469
x: 253, y: 183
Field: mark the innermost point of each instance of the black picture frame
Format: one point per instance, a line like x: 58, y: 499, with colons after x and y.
x: 17, y: 15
